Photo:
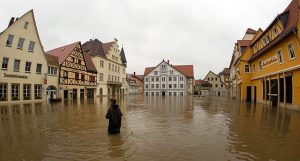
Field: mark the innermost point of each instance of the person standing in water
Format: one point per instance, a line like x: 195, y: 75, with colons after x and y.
x: 114, y: 115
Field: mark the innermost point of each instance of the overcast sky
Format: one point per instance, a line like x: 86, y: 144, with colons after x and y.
x: 197, y: 32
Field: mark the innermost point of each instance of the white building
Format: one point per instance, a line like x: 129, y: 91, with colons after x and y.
x: 23, y: 64
x: 218, y: 87
x: 166, y: 79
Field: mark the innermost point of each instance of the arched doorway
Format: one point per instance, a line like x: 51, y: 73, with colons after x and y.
x: 51, y: 92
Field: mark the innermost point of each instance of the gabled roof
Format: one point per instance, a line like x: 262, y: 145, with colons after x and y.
x: 140, y: 77
x: 52, y: 60
x: 198, y: 82
x: 94, y: 48
x: 89, y: 63
x: 63, y: 52
x: 244, y: 42
x: 250, y: 31
x: 187, y: 70
x: 289, y: 19
x: 106, y: 47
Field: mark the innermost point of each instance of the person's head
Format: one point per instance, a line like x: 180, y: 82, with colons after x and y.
x: 113, y: 101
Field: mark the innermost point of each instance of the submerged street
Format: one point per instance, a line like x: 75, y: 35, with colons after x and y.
x: 153, y: 128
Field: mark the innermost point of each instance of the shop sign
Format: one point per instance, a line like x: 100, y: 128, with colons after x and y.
x: 15, y: 76
x: 270, y: 61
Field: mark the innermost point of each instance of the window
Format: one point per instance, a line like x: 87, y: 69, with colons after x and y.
x: 163, y: 86
x: 181, y: 93
x: 208, y: 79
x: 147, y: 86
x: 163, y: 66
x: 216, y: 79
x: 275, y: 31
x: 174, y: 78
x: 152, y: 79
x: 247, y: 68
x: 216, y: 85
x: 82, y: 77
x: 101, y: 77
x: 280, y: 56
x: 157, y: 93
x: 268, y: 39
x: 170, y: 93
x: 171, y: 72
x: 152, y: 86
x: 9, y: 40
x: 157, y: 86
x: 174, y: 86
x: 5, y: 63
x: 157, y: 79
x: 101, y: 63
x: 38, y: 91
x: 38, y: 68
x: 170, y: 85
x: 21, y: 43
x: 163, y: 79
x: 109, y: 66
x: 76, y: 76
x: 260, y: 65
x: 181, y: 78
x: 170, y: 78
x: 3, y: 92
x: 72, y: 59
x: 15, y: 92
x: 254, y: 68
x: 31, y: 46
x: 146, y: 93
x: 16, y: 65
x: 65, y: 74
x: 52, y: 70
x: 79, y: 61
x: 155, y: 72
x: 222, y: 85
x: 27, y: 66
x: 26, y: 91
x: 92, y: 78
x: 26, y: 25
x: 146, y: 80
x: 175, y: 93
x: 291, y: 51
x: 181, y: 85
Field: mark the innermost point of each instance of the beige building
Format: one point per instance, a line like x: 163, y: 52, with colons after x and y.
x: 53, y: 91
x: 218, y: 87
x: 111, y: 64
x: 23, y: 74
x: 77, y: 74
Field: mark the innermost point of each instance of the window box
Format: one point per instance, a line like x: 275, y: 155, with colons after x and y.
x: 3, y: 99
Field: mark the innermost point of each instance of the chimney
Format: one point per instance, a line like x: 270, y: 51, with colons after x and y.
x: 168, y: 61
x: 12, y: 20
x: 133, y: 73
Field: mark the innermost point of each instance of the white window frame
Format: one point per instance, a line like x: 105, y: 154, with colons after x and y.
x: 280, y: 55
x: 248, y: 68
x: 290, y: 51
x: 27, y: 91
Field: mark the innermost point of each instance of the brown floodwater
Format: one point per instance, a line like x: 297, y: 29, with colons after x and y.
x: 153, y: 129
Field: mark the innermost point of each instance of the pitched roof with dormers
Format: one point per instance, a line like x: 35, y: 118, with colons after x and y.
x: 289, y: 19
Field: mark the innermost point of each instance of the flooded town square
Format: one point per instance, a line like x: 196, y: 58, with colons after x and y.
x: 171, y: 128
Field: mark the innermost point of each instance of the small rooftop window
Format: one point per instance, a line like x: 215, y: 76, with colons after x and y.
x: 26, y: 25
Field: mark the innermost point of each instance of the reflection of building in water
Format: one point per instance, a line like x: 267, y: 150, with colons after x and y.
x: 169, y: 80
x: 268, y: 132
x: 23, y: 65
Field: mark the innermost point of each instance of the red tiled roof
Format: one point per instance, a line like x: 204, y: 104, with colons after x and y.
x: 93, y: 47
x: 244, y: 42
x: 63, y: 52
x: 250, y: 31
x: 198, y: 82
x: 52, y: 60
x: 187, y: 70
x: 140, y: 77
x: 89, y: 63
x: 106, y: 46
x: 289, y: 17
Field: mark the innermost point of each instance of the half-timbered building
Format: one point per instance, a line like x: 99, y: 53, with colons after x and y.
x: 77, y: 75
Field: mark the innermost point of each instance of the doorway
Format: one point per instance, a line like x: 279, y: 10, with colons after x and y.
x: 248, y: 99
x: 81, y: 93
x: 163, y: 93
x: 74, y: 93
x: 65, y: 94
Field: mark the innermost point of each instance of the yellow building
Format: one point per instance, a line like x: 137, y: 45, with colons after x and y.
x: 77, y: 75
x: 23, y: 74
x: 269, y: 69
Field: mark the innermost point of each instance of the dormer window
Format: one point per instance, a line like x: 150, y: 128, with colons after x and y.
x: 275, y: 31
x: 26, y: 25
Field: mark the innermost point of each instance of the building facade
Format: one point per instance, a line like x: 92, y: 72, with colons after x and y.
x: 77, y: 75
x: 23, y: 64
x: 166, y: 79
x: 132, y: 85
x: 111, y: 64
x: 270, y: 67
x: 202, y: 88
x: 139, y: 81
x: 218, y: 87
x: 53, y: 91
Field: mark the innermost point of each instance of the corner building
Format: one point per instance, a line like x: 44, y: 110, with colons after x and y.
x: 270, y: 72
x: 23, y: 74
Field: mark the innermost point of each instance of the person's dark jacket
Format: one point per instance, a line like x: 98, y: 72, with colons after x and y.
x: 114, y: 115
